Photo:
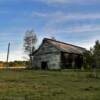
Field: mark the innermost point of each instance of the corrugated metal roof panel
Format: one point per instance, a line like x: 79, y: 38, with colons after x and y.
x: 66, y: 47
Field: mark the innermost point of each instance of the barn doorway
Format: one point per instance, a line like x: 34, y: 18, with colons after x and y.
x: 79, y: 62
x: 44, y: 65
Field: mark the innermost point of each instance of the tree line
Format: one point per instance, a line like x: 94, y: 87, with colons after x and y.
x: 14, y: 64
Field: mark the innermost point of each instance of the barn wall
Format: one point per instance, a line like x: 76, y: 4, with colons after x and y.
x: 53, y: 61
x: 47, y: 53
x: 71, y: 61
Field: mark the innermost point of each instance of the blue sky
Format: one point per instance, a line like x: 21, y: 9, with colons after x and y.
x: 72, y: 21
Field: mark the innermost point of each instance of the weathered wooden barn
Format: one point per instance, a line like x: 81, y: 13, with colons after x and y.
x: 53, y: 54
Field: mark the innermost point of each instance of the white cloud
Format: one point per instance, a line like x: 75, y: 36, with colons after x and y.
x: 53, y: 2
x: 56, y: 1
x: 14, y: 55
x: 58, y: 18
x: 38, y: 14
x: 67, y: 16
x: 78, y: 29
x: 69, y: 1
x: 80, y: 16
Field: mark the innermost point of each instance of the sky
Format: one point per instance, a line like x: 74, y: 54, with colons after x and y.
x: 72, y: 21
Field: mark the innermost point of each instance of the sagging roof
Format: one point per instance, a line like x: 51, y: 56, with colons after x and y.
x: 65, y: 47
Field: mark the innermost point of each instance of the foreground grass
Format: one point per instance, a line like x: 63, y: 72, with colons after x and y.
x: 48, y: 85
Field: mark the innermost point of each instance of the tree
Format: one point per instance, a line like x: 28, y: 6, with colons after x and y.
x: 88, y: 60
x: 92, y: 58
x: 30, y: 40
x: 96, y: 54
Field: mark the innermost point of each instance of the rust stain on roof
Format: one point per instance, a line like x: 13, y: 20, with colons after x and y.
x: 65, y: 47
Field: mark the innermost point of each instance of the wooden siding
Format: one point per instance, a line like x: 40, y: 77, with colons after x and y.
x: 47, y: 53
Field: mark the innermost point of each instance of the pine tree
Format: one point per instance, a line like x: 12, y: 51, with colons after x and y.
x: 96, y: 54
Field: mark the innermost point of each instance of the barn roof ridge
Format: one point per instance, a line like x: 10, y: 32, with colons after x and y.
x: 62, y: 46
x: 64, y: 43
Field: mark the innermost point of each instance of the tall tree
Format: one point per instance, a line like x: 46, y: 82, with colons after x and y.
x: 92, y: 57
x: 30, y: 40
x: 88, y: 60
x: 96, y: 53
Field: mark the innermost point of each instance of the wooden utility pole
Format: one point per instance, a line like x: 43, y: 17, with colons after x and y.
x: 8, y: 51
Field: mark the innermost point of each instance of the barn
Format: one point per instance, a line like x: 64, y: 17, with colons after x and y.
x: 53, y: 54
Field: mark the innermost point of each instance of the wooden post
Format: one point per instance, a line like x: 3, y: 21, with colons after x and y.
x: 8, y: 51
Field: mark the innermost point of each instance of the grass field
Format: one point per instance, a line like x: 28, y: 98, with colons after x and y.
x: 48, y: 85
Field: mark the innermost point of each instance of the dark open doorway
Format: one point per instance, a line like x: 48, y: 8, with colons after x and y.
x: 44, y: 65
x: 78, y: 62
x: 66, y: 60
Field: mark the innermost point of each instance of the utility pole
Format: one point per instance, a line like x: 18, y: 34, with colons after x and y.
x: 8, y: 51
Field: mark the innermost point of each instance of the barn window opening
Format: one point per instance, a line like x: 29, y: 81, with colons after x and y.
x: 44, y: 65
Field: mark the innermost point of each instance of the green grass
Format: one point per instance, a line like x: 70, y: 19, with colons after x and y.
x: 48, y: 85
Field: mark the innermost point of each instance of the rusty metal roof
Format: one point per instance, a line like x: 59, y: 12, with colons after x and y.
x: 66, y: 47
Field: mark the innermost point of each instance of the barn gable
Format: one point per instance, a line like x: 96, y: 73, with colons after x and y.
x: 47, y: 56
x: 46, y: 48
